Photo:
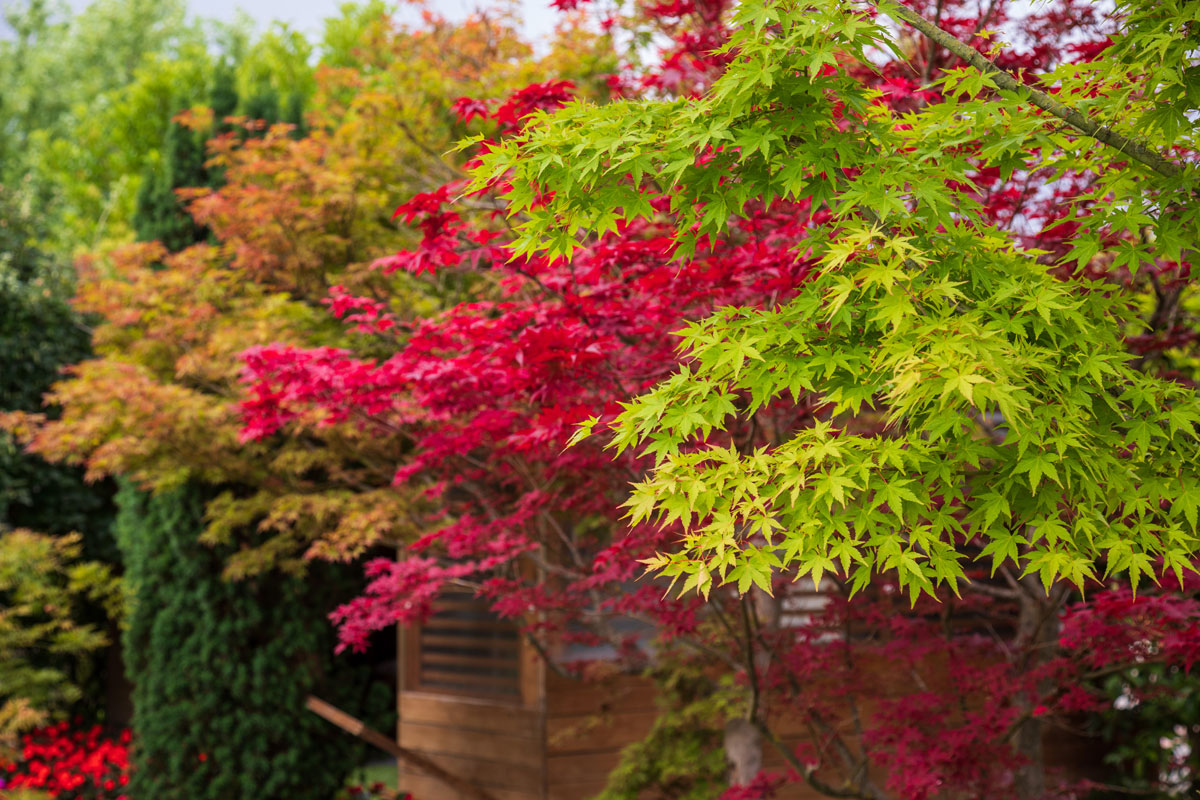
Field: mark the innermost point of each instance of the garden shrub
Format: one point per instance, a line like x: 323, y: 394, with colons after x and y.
x: 221, y: 669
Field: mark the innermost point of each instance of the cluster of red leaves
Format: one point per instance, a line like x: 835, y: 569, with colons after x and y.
x: 764, y: 784
x: 80, y: 764
x: 1120, y: 627
x: 510, y: 114
x: 490, y: 391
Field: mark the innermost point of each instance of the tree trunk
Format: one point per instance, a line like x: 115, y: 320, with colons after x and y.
x: 743, y: 751
x: 1037, y: 637
x: 743, y: 739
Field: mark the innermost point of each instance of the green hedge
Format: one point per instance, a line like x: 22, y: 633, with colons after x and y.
x: 221, y: 669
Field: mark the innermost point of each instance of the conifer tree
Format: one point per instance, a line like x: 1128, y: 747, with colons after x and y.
x: 160, y: 215
x: 221, y: 668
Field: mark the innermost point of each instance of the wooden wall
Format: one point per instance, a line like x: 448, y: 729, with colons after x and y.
x: 559, y: 748
x: 587, y: 725
x: 497, y: 746
x: 470, y: 698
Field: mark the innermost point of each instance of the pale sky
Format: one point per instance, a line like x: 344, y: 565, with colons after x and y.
x: 306, y: 15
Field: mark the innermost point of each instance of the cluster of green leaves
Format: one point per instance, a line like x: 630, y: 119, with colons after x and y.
x: 42, y: 583
x: 971, y: 396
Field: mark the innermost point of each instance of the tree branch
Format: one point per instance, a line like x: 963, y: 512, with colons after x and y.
x: 1008, y: 82
x: 805, y: 770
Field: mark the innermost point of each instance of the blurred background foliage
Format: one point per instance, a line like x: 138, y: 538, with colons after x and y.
x: 173, y: 190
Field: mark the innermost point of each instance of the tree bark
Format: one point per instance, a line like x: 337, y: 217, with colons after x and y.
x: 743, y: 751
x: 1072, y: 116
x: 743, y: 736
x: 1036, y: 640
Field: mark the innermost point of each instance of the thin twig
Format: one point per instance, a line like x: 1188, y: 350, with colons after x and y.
x: 1006, y: 81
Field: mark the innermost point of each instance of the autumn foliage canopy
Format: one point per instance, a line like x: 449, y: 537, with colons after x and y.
x: 823, y: 291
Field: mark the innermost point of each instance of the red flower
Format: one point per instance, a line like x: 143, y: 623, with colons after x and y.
x: 57, y: 760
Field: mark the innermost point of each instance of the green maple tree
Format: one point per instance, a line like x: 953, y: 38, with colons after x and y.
x: 1014, y: 417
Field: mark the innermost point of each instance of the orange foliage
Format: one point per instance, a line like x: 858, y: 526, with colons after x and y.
x: 160, y: 403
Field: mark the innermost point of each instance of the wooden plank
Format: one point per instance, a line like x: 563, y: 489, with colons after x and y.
x: 490, y: 775
x: 430, y: 674
x: 469, y: 713
x: 452, y: 601
x: 471, y: 744
x: 480, y: 662
x: 587, y: 733
x: 423, y: 788
x: 473, y: 642
x: 504, y: 626
x: 565, y: 697
x: 575, y: 791
x: 580, y: 767
x: 533, y: 676
x: 410, y: 659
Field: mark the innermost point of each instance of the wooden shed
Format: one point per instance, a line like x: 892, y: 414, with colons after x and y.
x: 477, y: 699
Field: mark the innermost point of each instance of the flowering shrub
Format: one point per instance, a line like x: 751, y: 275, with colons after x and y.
x: 80, y: 764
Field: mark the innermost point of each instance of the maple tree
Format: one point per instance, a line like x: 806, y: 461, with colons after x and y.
x: 294, y: 218
x: 919, y: 310
x: 912, y: 368
x: 468, y: 405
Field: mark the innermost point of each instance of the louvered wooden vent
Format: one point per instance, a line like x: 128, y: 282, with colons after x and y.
x: 465, y: 649
x: 801, y: 601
